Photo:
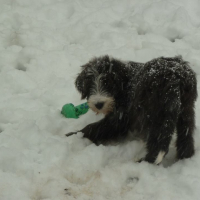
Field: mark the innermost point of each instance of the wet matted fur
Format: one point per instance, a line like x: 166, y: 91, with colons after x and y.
x: 151, y: 99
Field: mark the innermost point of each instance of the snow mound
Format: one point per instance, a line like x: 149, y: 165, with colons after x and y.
x: 42, y: 46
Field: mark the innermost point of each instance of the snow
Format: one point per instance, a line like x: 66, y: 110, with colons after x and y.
x: 43, y: 43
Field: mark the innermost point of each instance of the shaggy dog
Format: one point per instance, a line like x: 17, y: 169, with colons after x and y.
x: 149, y: 100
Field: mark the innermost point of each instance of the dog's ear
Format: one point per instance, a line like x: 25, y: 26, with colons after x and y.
x: 81, y: 82
x: 123, y: 95
x: 80, y: 85
x: 122, y: 73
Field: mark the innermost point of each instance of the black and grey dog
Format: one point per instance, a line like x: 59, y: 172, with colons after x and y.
x: 152, y: 100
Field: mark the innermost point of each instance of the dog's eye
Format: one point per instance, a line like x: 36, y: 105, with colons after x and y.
x: 104, y: 82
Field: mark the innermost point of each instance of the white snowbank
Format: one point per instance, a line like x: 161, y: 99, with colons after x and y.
x: 43, y: 43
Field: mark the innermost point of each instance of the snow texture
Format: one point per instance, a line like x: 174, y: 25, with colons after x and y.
x: 42, y: 45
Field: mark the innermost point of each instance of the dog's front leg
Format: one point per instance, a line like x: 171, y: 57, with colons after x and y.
x: 113, y: 127
x: 92, y: 132
x: 87, y: 131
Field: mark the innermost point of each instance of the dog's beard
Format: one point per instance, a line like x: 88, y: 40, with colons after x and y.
x: 107, y: 107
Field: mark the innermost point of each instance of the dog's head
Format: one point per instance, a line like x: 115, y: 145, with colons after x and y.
x: 102, y: 82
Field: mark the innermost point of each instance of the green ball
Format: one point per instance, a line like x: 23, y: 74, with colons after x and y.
x: 68, y: 110
x: 71, y: 111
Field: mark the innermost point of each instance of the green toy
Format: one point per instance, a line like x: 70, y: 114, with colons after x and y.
x: 71, y: 111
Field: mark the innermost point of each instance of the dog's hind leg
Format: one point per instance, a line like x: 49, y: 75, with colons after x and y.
x: 185, y: 129
x: 186, y: 120
x: 160, y: 135
x: 163, y: 125
x: 158, y: 141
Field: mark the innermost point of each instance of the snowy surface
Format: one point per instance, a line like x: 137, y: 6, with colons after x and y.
x: 42, y: 45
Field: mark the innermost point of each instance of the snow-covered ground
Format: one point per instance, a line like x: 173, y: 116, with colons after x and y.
x: 42, y: 45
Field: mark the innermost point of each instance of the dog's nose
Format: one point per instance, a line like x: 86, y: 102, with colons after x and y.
x: 99, y: 105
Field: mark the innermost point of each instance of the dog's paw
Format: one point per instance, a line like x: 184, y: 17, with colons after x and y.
x: 71, y: 133
x: 138, y: 160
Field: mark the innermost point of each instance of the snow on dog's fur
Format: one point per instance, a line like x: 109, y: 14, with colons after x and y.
x: 152, y: 99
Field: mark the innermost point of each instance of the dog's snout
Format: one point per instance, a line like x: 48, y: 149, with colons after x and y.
x: 99, y: 105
